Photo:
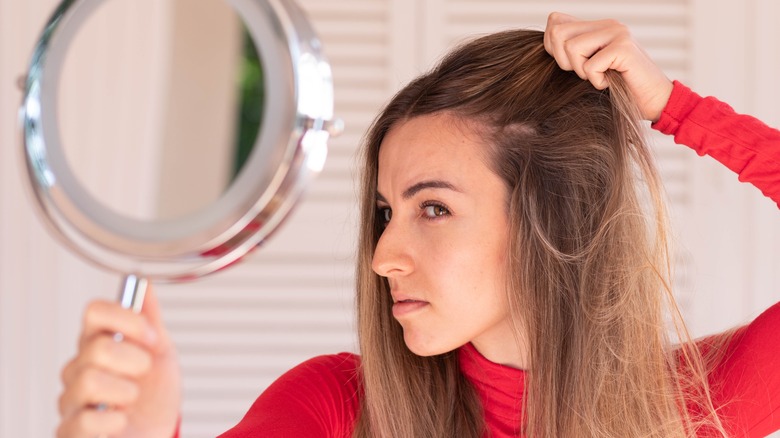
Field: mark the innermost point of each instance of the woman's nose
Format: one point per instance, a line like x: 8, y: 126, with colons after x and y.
x: 393, y: 255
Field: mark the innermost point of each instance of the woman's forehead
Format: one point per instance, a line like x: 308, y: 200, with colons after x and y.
x: 430, y: 148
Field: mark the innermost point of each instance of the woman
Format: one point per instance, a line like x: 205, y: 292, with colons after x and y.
x: 511, y: 279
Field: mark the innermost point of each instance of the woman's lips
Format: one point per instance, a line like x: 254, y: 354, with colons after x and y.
x: 405, y: 307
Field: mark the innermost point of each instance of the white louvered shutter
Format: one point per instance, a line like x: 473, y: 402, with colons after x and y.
x: 291, y: 300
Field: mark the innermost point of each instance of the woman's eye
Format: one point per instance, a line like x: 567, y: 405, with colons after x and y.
x: 433, y: 211
x: 385, y: 214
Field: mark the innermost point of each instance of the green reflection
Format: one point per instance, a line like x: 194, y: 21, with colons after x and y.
x: 250, y: 111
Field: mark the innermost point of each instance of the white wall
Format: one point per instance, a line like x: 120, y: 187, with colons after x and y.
x: 240, y: 329
x: 734, y: 236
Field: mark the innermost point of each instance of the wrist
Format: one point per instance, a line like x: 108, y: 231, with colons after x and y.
x: 659, y: 102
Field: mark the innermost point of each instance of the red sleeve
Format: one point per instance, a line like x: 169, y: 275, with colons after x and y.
x: 177, y: 432
x: 319, y: 398
x: 746, y: 384
x: 742, y: 143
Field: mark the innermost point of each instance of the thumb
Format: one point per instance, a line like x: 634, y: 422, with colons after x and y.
x: 152, y: 312
x: 560, y: 18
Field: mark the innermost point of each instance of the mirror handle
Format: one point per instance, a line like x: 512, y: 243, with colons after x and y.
x: 133, y: 291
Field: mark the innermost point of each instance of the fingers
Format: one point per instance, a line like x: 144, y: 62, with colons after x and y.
x: 108, y: 369
x: 591, y: 48
x: 595, y: 67
x: 120, y: 382
x: 105, y: 353
x: 102, y: 317
x: 583, y: 49
x: 573, y: 44
x: 92, y: 387
x: 560, y: 29
x: 105, y: 372
x: 91, y: 423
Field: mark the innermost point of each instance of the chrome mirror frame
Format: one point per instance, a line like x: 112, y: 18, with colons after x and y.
x: 298, y: 121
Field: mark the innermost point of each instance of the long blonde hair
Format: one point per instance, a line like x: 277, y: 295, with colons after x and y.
x: 588, y: 285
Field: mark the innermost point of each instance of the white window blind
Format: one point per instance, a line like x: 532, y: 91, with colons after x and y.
x: 239, y: 330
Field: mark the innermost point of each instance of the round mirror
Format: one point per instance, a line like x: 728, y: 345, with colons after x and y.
x: 168, y: 111
x: 189, y: 141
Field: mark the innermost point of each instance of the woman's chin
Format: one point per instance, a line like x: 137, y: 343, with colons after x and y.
x: 425, y: 348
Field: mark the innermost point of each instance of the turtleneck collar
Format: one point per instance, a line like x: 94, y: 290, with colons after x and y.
x: 499, y: 387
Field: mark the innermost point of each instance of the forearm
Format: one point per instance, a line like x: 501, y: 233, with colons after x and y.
x: 742, y: 143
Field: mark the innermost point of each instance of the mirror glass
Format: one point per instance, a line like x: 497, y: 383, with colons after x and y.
x: 157, y: 145
x: 159, y: 104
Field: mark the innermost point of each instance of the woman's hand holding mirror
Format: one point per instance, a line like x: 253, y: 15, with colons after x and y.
x: 126, y: 386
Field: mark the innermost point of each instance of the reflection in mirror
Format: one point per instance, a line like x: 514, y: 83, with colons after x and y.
x: 160, y: 102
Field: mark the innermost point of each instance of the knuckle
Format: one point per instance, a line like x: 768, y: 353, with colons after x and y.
x: 89, y: 315
x: 93, y: 309
x: 67, y: 371
x: 566, y: 47
x: 621, y: 30
x: 598, y: 83
x: 63, y: 429
x: 92, y: 314
x: 589, y: 69
x: 626, y: 44
x: 78, y: 389
x: 62, y: 404
x: 569, y: 47
x: 555, y: 32
x: 83, y: 388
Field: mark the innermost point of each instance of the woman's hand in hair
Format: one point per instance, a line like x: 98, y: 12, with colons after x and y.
x: 590, y: 48
x: 121, y: 386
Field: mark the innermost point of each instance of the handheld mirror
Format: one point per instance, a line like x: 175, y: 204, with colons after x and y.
x: 181, y: 220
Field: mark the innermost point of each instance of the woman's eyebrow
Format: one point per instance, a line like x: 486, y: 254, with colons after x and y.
x: 431, y: 184
x: 422, y: 185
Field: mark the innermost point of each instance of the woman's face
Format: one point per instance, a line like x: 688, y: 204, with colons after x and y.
x: 444, y: 246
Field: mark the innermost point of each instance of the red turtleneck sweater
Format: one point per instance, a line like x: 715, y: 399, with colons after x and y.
x: 321, y: 397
